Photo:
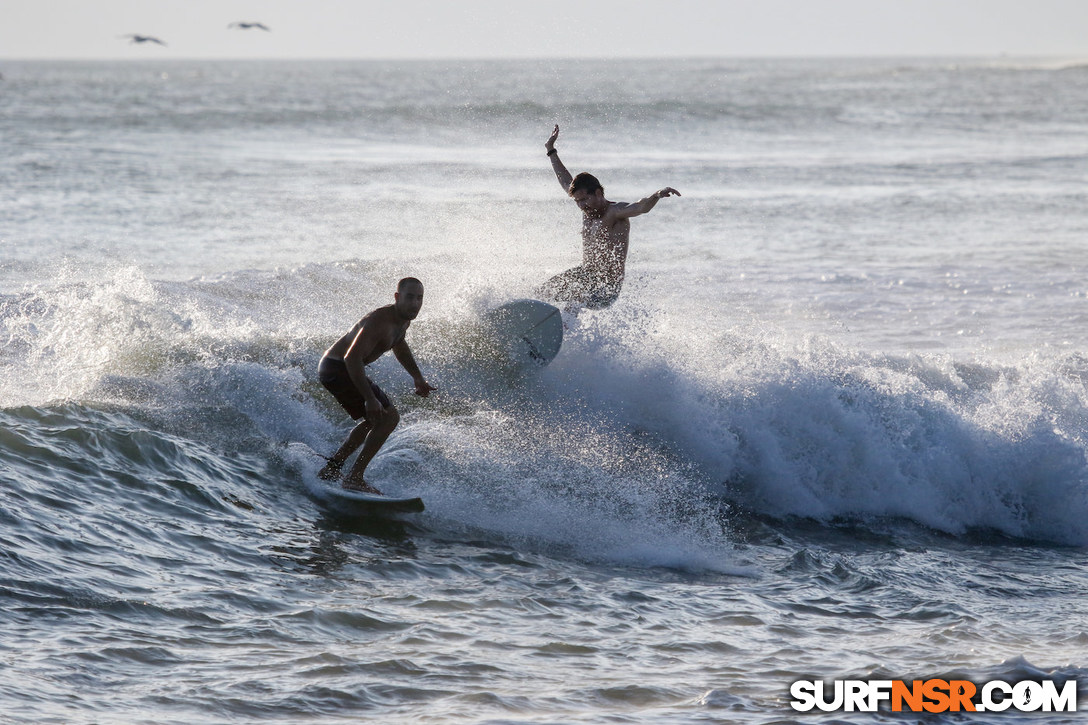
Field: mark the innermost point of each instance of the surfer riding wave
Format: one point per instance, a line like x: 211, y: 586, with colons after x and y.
x: 606, y: 231
x: 342, y: 371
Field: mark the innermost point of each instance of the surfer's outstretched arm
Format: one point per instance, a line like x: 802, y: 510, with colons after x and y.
x: 625, y: 211
x: 560, y: 170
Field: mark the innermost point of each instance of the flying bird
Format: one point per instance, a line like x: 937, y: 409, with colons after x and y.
x: 248, y: 26
x: 143, y: 39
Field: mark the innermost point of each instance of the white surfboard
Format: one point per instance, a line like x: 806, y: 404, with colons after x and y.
x: 334, y: 497
x: 528, y: 332
x: 367, y: 504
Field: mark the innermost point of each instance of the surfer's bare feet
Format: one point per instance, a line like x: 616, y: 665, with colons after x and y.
x: 331, y: 471
x: 362, y: 486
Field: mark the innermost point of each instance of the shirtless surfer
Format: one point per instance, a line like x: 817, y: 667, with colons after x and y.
x: 605, y: 232
x: 342, y: 370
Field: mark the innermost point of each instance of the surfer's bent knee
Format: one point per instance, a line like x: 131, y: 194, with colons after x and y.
x: 390, y: 418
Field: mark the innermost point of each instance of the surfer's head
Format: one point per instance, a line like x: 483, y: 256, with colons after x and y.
x: 585, y: 182
x: 588, y: 193
x: 409, y: 298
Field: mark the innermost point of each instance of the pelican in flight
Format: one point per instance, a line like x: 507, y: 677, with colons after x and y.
x: 247, y: 26
x: 143, y: 39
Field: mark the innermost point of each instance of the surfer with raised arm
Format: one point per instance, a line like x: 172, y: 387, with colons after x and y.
x: 343, y: 371
x: 606, y: 230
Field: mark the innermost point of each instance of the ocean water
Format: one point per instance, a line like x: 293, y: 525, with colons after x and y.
x: 835, y: 427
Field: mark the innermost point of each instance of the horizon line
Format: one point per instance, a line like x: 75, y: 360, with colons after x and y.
x: 698, y: 56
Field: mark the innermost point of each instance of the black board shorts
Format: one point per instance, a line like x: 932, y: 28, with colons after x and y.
x: 333, y: 374
x: 579, y: 285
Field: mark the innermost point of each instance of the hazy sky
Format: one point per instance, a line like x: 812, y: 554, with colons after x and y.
x: 526, y: 28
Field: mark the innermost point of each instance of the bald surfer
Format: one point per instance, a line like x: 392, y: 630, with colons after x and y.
x: 343, y: 372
